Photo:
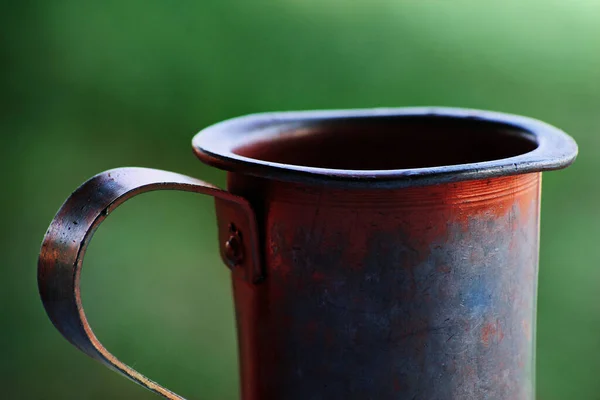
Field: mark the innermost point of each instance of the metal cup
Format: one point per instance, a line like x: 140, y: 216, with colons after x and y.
x: 375, y: 254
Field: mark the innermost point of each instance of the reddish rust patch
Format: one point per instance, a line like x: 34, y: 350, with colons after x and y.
x: 318, y: 276
x: 491, y: 331
x: 444, y: 268
x: 278, y: 264
x: 487, y: 332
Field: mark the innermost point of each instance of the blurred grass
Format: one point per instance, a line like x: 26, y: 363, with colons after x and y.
x: 91, y: 86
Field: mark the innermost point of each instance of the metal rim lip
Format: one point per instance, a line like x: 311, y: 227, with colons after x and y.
x: 215, y: 146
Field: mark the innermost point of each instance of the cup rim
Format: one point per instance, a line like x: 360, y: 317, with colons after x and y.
x: 215, y: 146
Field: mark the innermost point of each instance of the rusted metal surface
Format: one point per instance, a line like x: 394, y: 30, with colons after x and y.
x: 418, y: 293
x: 375, y: 254
x: 65, y: 243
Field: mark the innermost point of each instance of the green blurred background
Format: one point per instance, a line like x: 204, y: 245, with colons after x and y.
x: 87, y: 87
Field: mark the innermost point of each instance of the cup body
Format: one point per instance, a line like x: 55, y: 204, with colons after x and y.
x: 419, y: 292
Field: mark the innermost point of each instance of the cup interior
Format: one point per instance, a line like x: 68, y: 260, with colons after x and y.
x: 390, y: 143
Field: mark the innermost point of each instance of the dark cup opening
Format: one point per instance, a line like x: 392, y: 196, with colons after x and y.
x: 390, y: 143
x: 384, y: 148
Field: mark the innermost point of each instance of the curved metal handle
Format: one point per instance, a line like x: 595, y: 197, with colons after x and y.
x: 65, y: 243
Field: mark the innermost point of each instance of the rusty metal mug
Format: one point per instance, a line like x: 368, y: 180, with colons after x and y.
x: 375, y: 254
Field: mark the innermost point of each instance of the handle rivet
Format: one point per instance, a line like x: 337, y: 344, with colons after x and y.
x: 234, y: 251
